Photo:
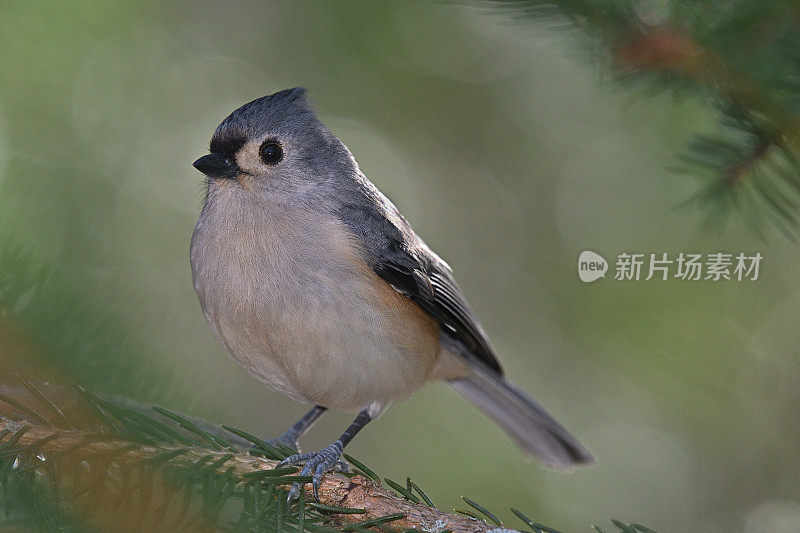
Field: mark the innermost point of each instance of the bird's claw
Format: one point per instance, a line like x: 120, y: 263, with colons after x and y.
x: 317, y: 464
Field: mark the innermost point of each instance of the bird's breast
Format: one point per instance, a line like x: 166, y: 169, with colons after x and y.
x: 288, y: 293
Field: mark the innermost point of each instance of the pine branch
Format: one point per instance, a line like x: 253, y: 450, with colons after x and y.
x: 93, y: 468
x: 336, y: 491
x: 743, y: 56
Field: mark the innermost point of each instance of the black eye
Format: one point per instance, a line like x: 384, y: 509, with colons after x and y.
x: 271, y: 152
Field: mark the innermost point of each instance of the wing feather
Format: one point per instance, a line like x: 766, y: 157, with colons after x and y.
x: 398, y: 256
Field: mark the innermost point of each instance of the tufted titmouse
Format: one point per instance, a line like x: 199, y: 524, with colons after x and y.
x: 315, y: 283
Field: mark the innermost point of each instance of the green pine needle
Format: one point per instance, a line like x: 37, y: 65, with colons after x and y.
x: 422, y: 494
x: 359, y: 465
x: 215, y: 442
x: 407, y: 494
x: 470, y: 514
x: 483, y: 510
x: 269, y: 451
x: 537, y: 528
x: 25, y: 410
x: 53, y: 408
x: 374, y: 522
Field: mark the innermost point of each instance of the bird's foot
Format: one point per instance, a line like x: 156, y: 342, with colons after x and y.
x: 317, y: 464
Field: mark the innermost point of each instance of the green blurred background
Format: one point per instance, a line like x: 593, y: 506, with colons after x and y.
x: 508, y: 151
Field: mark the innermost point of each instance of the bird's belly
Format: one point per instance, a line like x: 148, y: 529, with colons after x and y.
x: 332, y: 348
x: 328, y: 332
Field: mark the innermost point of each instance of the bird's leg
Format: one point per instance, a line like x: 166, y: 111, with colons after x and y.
x: 289, y: 438
x: 321, y: 462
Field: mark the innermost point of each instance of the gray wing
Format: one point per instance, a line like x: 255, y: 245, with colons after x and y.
x: 401, y: 258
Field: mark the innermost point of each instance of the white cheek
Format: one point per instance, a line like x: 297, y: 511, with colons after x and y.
x: 247, y: 160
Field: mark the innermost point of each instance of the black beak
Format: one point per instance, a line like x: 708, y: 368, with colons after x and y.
x: 217, y: 166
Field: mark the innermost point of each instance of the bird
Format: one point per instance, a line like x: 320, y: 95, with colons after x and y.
x: 317, y: 285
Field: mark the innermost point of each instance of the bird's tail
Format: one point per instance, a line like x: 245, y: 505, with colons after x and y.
x: 535, y: 431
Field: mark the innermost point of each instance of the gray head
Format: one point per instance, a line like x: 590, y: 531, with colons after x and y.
x: 275, y: 146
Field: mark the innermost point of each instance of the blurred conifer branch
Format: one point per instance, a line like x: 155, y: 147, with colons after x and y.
x: 743, y: 56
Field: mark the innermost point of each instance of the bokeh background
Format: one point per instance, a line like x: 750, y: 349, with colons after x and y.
x: 508, y: 150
